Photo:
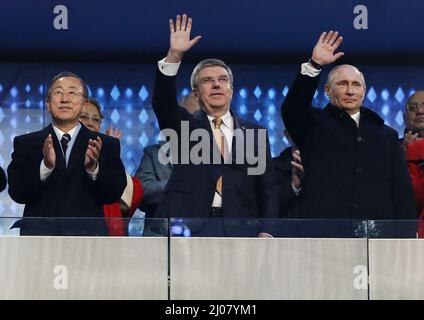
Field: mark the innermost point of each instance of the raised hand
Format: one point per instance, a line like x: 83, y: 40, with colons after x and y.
x: 92, y: 154
x: 323, y: 52
x: 49, y: 154
x: 116, y: 133
x: 180, y: 38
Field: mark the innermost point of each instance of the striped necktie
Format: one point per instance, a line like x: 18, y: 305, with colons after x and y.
x: 64, y: 142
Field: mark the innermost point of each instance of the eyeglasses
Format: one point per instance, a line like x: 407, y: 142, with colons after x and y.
x: 86, y: 117
x: 71, y: 93
x: 211, y: 80
x: 415, y: 106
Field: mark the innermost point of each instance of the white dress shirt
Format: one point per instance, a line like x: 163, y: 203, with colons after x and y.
x: 171, y: 69
x: 45, y: 172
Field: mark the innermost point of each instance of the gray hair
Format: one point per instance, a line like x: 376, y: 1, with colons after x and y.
x: 209, y: 63
x: 333, y: 71
x: 67, y: 74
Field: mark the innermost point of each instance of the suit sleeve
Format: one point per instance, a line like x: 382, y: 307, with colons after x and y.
x: 111, y: 180
x: 266, y: 187
x: 296, y: 108
x: 23, y: 172
x: 153, y: 188
x: 164, y: 102
x: 286, y: 197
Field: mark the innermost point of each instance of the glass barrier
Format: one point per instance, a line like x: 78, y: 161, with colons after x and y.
x: 277, y: 228
x: 137, y: 226
x: 395, y: 229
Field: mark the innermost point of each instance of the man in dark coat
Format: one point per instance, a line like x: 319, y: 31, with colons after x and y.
x: 354, y: 167
x: 227, y: 188
x: 65, y: 170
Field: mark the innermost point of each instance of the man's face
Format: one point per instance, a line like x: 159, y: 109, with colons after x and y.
x: 66, y: 100
x: 90, y: 117
x: 214, y: 91
x: 414, y: 115
x: 346, y: 89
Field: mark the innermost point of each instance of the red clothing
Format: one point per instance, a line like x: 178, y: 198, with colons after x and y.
x: 415, y: 160
x: 116, y: 222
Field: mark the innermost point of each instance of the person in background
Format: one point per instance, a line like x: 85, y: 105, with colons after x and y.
x: 413, y: 146
x: 290, y: 174
x: 413, y: 118
x: 117, y: 214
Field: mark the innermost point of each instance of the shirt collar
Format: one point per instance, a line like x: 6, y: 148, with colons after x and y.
x: 227, y: 119
x: 72, y: 132
x: 356, y: 117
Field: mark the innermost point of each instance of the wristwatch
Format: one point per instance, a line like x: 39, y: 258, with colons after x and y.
x: 316, y: 65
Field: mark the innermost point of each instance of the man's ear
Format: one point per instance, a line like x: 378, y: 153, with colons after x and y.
x: 48, y: 105
x: 196, y: 96
x: 327, y: 90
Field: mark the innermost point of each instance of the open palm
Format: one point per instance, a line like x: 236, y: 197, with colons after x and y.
x: 180, y: 35
x: 327, y: 44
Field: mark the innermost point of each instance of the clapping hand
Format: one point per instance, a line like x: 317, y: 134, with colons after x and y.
x: 92, y: 154
x: 297, y: 170
x: 49, y: 154
x: 116, y: 133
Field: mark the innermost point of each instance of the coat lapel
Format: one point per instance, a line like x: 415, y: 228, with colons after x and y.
x: 238, y: 124
x: 60, y: 160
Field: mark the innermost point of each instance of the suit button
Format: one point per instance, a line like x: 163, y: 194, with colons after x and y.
x: 360, y: 139
x: 359, y: 170
x: 355, y: 205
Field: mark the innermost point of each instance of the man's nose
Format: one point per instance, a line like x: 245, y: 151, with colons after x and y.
x: 349, y: 90
x: 64, y: 98
x: 216, y: 82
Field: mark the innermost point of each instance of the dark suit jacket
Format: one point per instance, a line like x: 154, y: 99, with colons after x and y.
x: 190, y: 190
x: 350, y: 172
x: 68, y: 191
x: 154, y: 177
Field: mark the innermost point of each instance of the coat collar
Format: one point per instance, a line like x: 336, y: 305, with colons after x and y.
x: 365, y: 113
